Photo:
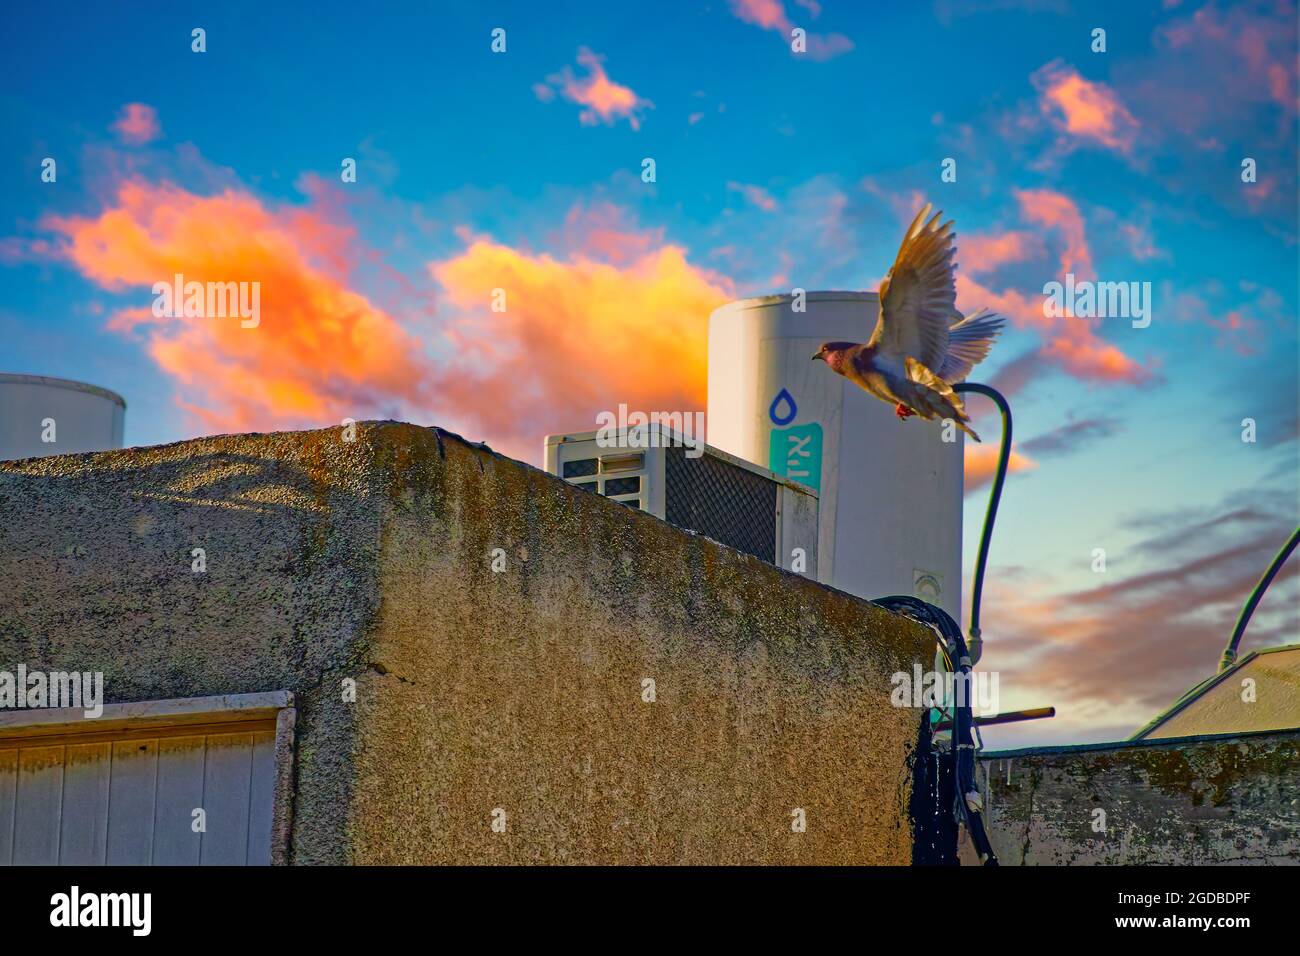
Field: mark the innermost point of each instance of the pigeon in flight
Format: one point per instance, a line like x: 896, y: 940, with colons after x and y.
x: 917, y: 350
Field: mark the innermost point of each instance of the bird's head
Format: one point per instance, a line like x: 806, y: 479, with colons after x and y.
x: 834, y: 354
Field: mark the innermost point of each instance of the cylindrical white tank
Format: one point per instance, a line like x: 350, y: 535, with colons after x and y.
x: 891, y: 491
x: 54, y: 416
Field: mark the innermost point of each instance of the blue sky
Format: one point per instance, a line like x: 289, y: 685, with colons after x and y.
x: 774, y: 169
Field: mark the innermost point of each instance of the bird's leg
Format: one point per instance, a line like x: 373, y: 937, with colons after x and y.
x: 903, y: 412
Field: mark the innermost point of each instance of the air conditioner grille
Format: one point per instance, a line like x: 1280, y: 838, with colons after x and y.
x: 715, y: 498
x: 622, y: 486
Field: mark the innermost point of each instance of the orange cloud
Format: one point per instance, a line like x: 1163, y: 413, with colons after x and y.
x: 981, y: 464
x: 604, y: 100
x: 576, y: 336
x: 624, y: 318
x: 770, y: 15
x: 321, y: 352
x: 1082, y: 109
x: 137, y: 124
x: 1085, y: 356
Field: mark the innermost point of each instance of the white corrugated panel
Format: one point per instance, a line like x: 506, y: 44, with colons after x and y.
x: 129, y: 799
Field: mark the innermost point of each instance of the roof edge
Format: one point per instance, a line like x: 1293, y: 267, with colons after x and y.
x: 20, y: 378
x: 1061, y: 749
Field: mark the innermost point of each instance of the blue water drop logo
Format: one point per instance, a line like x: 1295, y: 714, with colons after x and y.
x: 788, y: 399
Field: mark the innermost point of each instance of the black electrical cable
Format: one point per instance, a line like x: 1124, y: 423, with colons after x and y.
x: 963, y: 743
x: 1230, y: 652
x: 995, y: 496
x: 949, y: 631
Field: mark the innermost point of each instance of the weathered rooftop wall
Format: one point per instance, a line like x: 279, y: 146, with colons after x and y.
x: 1198, y: 800
x: 520, y: 690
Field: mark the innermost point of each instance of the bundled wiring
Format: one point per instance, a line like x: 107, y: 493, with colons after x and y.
x: 961, y: 657
x: 968, y: 804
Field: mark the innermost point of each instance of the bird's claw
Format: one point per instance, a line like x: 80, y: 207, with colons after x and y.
x: 903, y: 412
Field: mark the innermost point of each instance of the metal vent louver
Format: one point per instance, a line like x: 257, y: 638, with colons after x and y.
x: 717, y: 499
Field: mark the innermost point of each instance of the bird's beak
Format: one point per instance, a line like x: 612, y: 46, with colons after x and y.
x: 819, y: 355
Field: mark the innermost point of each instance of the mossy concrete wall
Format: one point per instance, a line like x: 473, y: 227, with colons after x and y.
x: 518, y: 694
x: 1229, y: 799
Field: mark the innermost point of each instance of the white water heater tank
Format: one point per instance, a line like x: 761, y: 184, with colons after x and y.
x: 55, y: 416
x: 890, y: 491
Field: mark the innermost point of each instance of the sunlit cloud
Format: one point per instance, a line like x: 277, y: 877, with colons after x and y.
x: 321, y: 352
x: 1084, y: 110
x: 576, y: 336
x: 771, y: 15
x: 603, y: 100
x: 137, y: 124
x: 622, y: 317
x: 981, y: 464
x: 1057, y: 211
x: 1071, y: 343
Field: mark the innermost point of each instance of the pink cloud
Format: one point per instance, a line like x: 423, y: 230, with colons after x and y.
x: 1070, y: 343
x: 1140, y: 242
x: 604, y: 231
x: 1164, y: 607
x: 755, y: 195
x: 1220, y: 74
x: 1263, y: 62
x: 771, y: 15
x: 985, y: 253
x: 1082, y: 109
x: 1054, y: 210
x: 604, y: 100
x: 768, y: 14
x: 137, y: 124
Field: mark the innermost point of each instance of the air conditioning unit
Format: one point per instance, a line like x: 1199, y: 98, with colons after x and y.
x: 698, y: 488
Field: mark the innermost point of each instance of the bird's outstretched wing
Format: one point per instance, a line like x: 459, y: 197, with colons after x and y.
x: 917, y: 297
x: 969, y: 342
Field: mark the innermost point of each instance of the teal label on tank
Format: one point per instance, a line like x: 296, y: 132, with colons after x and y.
x: 796, y: 452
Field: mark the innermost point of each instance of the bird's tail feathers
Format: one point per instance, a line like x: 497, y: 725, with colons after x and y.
x: 937, y: 398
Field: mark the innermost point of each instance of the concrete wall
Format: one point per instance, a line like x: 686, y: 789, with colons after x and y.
x: 1229, y: 799
x: 520, y: 690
